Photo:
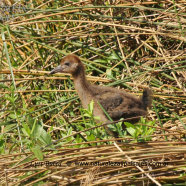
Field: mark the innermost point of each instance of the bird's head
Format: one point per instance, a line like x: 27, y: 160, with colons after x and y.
x: 69, y: 64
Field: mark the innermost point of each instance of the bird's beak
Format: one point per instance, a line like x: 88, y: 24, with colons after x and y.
x: 57, y: 69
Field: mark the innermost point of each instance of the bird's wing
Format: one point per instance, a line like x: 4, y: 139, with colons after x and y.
x: 110, y: 101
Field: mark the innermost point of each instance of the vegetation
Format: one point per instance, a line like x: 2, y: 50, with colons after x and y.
x: 124, y: 44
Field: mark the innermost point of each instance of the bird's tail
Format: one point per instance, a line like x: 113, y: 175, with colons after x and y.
x: 146, y: 98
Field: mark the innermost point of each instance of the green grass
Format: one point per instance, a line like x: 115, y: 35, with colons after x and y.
x: 121, y: 44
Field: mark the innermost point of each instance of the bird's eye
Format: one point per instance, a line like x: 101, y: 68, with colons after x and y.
x: 67, y: 63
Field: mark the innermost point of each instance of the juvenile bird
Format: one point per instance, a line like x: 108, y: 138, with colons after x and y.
x: 117, y: 103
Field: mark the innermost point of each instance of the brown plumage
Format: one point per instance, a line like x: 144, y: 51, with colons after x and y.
x: 117, y: 103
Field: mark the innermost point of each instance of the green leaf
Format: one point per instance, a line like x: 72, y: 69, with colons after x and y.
x: 113, y: 56
x: 36, y: 130
x: 2, y: 142
x: 87, y: 115
x: 33, y: 127
x: 69, y: 131
x: 25, y: 132
x: 91, y: 106
x: 109, y: 72
x: 26, y: 129
x: 91, y: 137
x: 132, y: 131
x: 13, y: 116
x: 45, y: 137
x: 38, y: 153
x: 127, y: 124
